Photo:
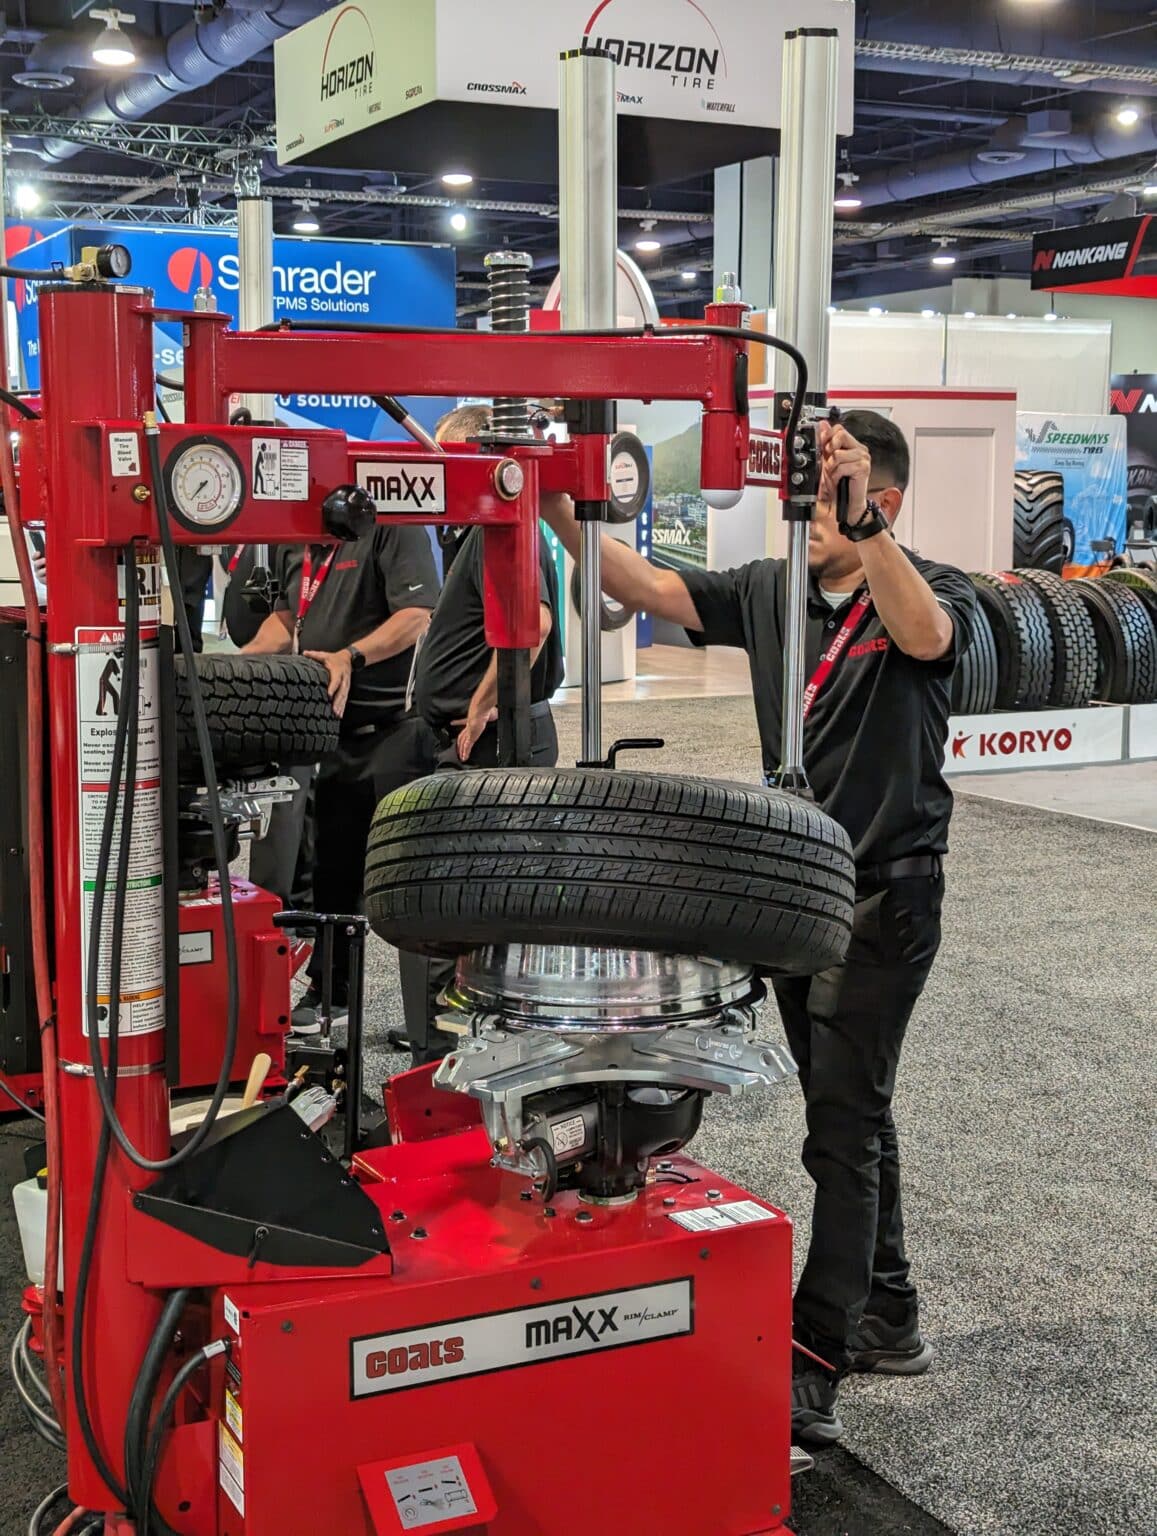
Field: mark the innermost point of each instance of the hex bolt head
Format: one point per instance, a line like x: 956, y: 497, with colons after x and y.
x: 584, y: 1217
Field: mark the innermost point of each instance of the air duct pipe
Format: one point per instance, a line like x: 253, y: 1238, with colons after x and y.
x: 195, y: 55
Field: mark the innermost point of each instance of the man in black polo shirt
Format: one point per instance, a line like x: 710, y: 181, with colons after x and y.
x: 359, y: 608
x: 456, y: 693
x: 873, y: 749
x: 456, y: 678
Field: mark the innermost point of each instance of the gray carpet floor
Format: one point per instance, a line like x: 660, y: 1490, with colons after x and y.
x: 1026, y: 1107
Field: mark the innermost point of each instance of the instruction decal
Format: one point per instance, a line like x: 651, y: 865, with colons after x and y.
x: 717, y: 1218
x: 231, y: 1468
x: 148, y: 569
x: 429, y: 1492
x: 124, y: 452
x: 280, y: 469
x: 99, y: 700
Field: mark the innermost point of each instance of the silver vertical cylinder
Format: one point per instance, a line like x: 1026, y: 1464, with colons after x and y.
x: 803, y: 288
x: 588, y: 240
x: 254, y: 265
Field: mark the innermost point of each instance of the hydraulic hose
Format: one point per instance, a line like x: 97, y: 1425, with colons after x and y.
x: 101, y: 1077
x: 737, y: 332
x: 147, y: 1518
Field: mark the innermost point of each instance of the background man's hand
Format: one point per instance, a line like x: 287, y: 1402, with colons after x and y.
x: 472, y: 727
x: 340, y: 668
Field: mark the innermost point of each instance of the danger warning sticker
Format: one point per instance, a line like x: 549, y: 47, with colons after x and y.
x: 100, y: 665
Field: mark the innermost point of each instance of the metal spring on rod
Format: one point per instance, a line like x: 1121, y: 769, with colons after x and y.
x: 509, y: 275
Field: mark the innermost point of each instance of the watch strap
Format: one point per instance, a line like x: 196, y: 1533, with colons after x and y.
x: 872, y: 522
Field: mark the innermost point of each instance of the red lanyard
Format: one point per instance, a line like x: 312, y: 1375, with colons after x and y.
x: 827, y: 662
x: 310, y: 584
x: 234, y: 559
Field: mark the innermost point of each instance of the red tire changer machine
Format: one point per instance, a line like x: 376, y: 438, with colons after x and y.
x: 258, y: 1338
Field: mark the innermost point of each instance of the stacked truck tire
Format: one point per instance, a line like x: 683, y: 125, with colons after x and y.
x: 1042, y: 642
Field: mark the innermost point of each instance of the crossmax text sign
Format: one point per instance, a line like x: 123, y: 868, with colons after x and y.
x: 503, y: 1341
x: 403, y: 486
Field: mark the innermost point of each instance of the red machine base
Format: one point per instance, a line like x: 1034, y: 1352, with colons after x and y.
x: 526, y: 1371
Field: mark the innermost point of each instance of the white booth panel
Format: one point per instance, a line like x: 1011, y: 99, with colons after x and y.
x: 870, y: 351
x: 958, y: 507
x: 1059, y: 366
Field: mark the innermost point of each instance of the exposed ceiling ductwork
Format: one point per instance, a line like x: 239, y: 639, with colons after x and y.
x: 195, y: 55
x: 905, y: 58
x: 1023, y: 147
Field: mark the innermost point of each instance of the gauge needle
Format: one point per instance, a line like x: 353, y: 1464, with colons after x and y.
x: 200, y: 488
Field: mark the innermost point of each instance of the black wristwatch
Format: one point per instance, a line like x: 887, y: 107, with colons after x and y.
x: 357, y: 658
x: 869, y: 525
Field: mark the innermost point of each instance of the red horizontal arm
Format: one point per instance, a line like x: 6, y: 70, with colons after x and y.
x: 219, y: 363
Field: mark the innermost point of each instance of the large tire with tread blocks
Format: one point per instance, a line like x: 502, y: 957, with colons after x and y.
x: 1024, y: 641
x: 260, y: 709
x: 974, y: 681
x: 1126, y: 640
x: 1038, y: 517
x: 1074, y: 639
x: 1143, y: 581
x: 607, y: 857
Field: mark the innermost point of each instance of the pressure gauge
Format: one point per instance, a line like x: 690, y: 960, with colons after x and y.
x: 205, y: 483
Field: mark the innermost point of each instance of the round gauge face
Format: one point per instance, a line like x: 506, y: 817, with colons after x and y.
x: 206, y: 483
x: 118, y: 260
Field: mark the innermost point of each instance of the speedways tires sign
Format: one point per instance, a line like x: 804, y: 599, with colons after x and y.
x: 1050, y: 738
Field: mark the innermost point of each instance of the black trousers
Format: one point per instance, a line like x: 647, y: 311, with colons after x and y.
x: 423, y: 977
x: 845, y: 1028
x: 349, y: 784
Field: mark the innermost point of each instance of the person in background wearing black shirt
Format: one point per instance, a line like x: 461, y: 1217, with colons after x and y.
x: 456, y: 693
x: 873, y: 750
x: 456, y: 679
x: 359, y: 608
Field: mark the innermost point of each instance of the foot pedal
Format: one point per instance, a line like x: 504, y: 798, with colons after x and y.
x: 800, y: 1461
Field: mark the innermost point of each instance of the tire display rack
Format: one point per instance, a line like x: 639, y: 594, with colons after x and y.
x: 1041, y: 642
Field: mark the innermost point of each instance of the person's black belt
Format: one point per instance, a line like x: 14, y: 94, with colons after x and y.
x: 926, y: 865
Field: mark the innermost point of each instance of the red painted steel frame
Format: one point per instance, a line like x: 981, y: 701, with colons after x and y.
x: 488, y: 1249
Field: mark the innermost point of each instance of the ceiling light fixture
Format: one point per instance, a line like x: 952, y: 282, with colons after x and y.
x: 875, y: 311
x: 688, y: 277
x: 1128, y: 116
x: 306, y: 221
x: 1011, y: 315
x: 457, y: 179
x: 970, y: 314
x: 26, y: 197
x: 458, y: 222
x: 944, y: 259
x: 928, y: 314
x: 846, y: 197
x: 1052, y: 315
x: 647, y: 244
x: 113, y: 47
x: 1150, y: 190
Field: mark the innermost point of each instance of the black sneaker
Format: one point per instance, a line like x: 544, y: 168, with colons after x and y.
x: 304, y: 1019
x: 814, y: 1420
x: 890, y: 1351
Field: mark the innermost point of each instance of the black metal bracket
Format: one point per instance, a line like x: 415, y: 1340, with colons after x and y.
x: 625, y: 744
x: 324, y: 925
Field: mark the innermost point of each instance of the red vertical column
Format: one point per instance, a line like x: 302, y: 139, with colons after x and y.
x: 97, y: 363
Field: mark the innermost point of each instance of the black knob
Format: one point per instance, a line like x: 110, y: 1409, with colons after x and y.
x: 348, y: 513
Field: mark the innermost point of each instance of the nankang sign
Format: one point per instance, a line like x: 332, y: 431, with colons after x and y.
x: 1116, y: 257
